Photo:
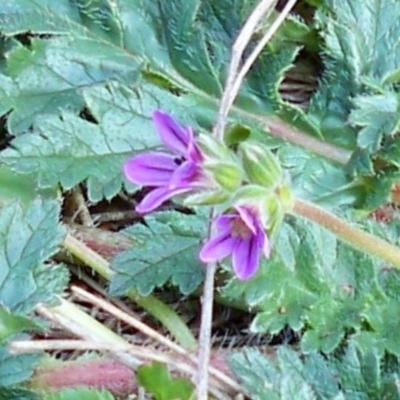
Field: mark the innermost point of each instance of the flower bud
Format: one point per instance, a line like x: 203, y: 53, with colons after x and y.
x: 227, y: 175
x: 260, y: 165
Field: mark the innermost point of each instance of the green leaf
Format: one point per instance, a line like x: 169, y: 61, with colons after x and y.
x: 22, y: 187
x: 53, y: 73
x: 188, y: 43
x: 11, y: 324
x: 166, y: 249
x: 361, y: 47
x: 318, y: 180
x: 97, y: 43
x: 156, y: 379
x: 348, y: 374
x: 27, y: 240
x: 380, y: 319
x: 378, y: 115
x: 70, y: 150
x: 79, y: 393
x: 39, y: 16
x: 15, y: 368
x: 14, y: 393
x: 286, y: 377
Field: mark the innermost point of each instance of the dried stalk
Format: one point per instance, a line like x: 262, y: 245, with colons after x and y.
x: 232, y: 86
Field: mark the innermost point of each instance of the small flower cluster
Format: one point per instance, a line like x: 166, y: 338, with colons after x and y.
x: 247, y: 185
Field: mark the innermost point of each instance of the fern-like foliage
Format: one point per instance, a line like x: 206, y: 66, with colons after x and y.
x: 348, y: 374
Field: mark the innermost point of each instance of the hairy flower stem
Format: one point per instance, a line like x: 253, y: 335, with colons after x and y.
x: 357, y: 238
x: 161, y: 311
x: 206, y: 325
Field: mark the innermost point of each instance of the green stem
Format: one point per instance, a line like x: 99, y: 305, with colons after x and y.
x: 165, y: 314
x: 357, y: 238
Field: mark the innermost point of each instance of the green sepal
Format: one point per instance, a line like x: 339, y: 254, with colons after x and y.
x: 214, y: 149
x: 272, y: 214
x: 260, y: 165
x: 250, y: 194
x: 206, y: 198
x: 268, y: 204
x: 227, y: 174
x: 286, y: 198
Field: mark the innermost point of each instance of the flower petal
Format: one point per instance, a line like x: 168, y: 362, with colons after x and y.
x: 266, y: 246
x: 185, y: 174
x: 193, y: 150
x: 248, y: 218
x: 150, y: 169
x: 218, y: 247
x: 246, y: 258
x: 172, y: 134
x: 158, y: 196
x: 223, y: 222
x: 262, y: 240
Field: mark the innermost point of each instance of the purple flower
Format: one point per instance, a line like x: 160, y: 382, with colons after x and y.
x: 169, y: 174
x: 241, y: 235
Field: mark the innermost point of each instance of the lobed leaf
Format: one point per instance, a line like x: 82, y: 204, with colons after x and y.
x: 68, y: 150
x: 349, y: 374
x: 15, y: 368
x: 12, y: 324
x: 166, y: 249
x: 378, y: 115
x: 361, y: 45
x: 52, y: 74
x: 285, y: 378
x: 28, y: 238
x: 156, y: 379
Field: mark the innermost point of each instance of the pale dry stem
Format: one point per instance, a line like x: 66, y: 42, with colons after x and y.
x: 232, y: 86
x: 258, y: 49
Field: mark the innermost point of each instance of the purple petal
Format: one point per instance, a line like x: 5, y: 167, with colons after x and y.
x: 246, y: 258
x: 184, y: 175
x: 193, y: 150
x: 218, y: 247
x: 223, y: 222
x: 150, y: 169
x: 248, y: 218
x: 172, y: 134
x: 262, y: 240
x: 266, y: 247
x: 156, y: 197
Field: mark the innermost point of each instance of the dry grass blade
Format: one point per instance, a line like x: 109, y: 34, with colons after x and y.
x: 220, y: 379
x: 128, y: 319
x: 88, y: 328
x: 146, y: 354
